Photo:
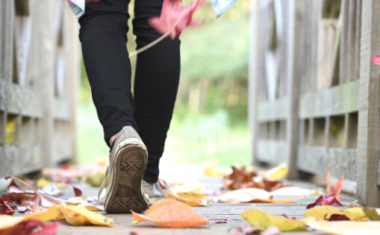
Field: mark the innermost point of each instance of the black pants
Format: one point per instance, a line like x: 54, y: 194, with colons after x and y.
x: 149, y: 111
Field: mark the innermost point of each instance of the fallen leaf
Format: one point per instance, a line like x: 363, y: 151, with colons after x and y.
x: 27, y: 228
x: 174, y: 18
x: 79, y: 215
x: 322, y: 212
x: 249, y: 230
x: 336, y: 217
x: 42, y: 182
x: 263, y: 220
x: 346, y: 227
x: 5, y: 209
x: 211, y: 170
x: 190, y: 199
x: 277, y: 173
x: 376, y: 60
x: 95, y: 179
x: 242, y: 178
x: 171, y: 214
x: 190, y: 187
x: 251, y: 195
x: 337, y: 187
x: 8, y: 222
x: 37, y: 197
x: 296, y: 191
x: 51, y: 190
x: 371, y: 214
x: 86, y: 204
x: 325, y: 201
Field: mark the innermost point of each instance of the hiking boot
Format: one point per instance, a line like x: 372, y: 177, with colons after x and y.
x: 155, y: 191
x: 128, y: 159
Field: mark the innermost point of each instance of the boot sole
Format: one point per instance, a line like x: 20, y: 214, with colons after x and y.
x: 125, y: 192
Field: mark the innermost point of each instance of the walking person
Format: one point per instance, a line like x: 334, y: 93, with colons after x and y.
x: 134, y: 125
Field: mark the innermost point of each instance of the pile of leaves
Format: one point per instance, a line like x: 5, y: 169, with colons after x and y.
x: 243, y: 178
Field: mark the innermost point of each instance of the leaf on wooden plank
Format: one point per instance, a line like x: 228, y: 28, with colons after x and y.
x: 345, y: 227
x: 174, y: 17
x: 42, y: 182
x: 51, y: 190
x: 5, y: 209
x: 263, y: 220
x: 277, y: 173
x: 95, y: 179
x: 249, y: 230
x: 293, y: 218
x: 37, y: 197
x: 88, y: 205
x: 27, y: 228
x: 251, y: 195
x: 322, y: 212
x: 171, y: 214
x: 376, y: 60
x: 78, y: 215
x: 337, y: 187
x: 190, y: 199
x: 190, y: 187
x: 296, y: 191
x: 337, y: 217
x: 238, y: 178
x: 211, y: 169
x: 371, y: 214
x: 7, y: 222
x: 325, y: 201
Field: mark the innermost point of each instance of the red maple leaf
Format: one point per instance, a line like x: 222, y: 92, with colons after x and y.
x: 325, y: 201
x: 174, y: 18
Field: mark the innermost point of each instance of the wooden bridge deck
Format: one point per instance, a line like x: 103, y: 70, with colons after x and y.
x: 216, y: 211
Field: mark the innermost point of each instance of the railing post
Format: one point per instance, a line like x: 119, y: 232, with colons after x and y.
x: 369, y: 112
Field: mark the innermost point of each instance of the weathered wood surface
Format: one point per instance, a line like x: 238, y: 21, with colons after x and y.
x: 216, y: 211
x: 39, y: 75
x: 369, y: 112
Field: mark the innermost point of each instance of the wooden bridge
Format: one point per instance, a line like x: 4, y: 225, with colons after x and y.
x: 314, y: 94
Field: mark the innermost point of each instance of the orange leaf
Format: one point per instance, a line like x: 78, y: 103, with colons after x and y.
x: 276, y: 200
x: 336, y: 189
x: 171, y: 214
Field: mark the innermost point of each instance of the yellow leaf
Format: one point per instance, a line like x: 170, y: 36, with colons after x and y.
x: 96, y: 179
x: 277, y: 173
x: 190, y: 199
x: 83, y: 202
x: 190, y: 187
x: 263, y: 220
x: 79, y: 215
x: 212, y: 171
x: 7, y: 221
x: 346, y: 227
x: 251, y: 195
x: 320, y: 212
x: 44, y: 182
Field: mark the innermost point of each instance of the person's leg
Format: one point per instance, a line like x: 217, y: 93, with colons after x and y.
x: 156, y: 84
x: 103, y: 36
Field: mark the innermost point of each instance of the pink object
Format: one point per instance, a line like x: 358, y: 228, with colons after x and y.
x: 174, y: 18
x: 376, y: 60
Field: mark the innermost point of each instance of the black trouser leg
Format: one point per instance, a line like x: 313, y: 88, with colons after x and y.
x: 156, y: 84
x: 103, y: 36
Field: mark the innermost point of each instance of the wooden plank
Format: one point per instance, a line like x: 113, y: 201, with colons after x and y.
x: 272, y: 151
x: 369, y: 125
x: 344, y: 59
x: 358, y: 38
x: 253, y: 77
x: 273, y: 110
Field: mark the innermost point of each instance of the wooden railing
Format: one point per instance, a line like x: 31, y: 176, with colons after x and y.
x: 39, y: 73
x: 314, y: 95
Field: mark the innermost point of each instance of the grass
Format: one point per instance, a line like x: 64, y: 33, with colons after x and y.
x: 191, y: 139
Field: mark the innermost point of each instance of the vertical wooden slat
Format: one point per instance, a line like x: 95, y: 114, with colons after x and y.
x: 369, y: 125
x: 358, y: 38
x: 344, y: 58
x: 293, y: 30
x: 254, y: 76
